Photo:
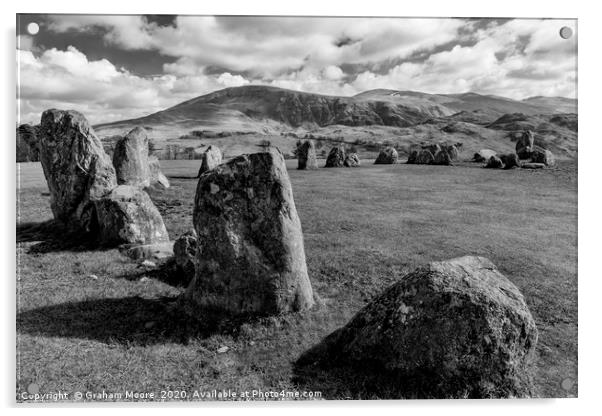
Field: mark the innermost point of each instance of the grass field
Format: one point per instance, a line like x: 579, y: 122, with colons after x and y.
x: 363, y: 228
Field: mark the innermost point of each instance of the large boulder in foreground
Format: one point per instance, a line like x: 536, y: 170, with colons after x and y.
x: 76, y: 167
x: 336, y: 157
x: 250, y: 257
x: 352, y: 160
x: 450, y: 329
x: 130, y: 159
x: 211, y: 157
x: 128, y: 216
x: 306, y: 155
x: 387, y: 156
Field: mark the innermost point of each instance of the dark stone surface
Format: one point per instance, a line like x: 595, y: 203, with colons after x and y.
x: 442, y: 158
x: 336, y: 157
x: 212, y: 156
x: 494, y: 162
x: 450, y: 329
x: 128, y: 216
x: 543, y: 156
x: 184, y: 250
x: 387, y: 156
x: 510, y: 160
x: 250, y: 257
x: 306, y: 155
x: 130, y: 159
x: 76, y: 167
x: 425, y: 157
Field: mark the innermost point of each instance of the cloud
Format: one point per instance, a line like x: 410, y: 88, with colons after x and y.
x: 336, y: 56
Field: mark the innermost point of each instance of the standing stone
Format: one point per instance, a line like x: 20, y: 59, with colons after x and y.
x: 211, y: 157
x: 425, y: 157
x: 387, y: 156
x: 306, y: 155
x: 128, y: 216
x: 412, y: 157
x: 450, y: 329
x: 442, y: 158
x: 29, y: 135
x: 250, y: 256
x: 336, y: 157
x: 352, y: 160
x: 544, y: 156
x: 184, y: 250
x: 494, y: 162
x: 130, y: 159
x: 157, y: 178
x: 76, y: 167
x: 510, y: 160
x: 524, y: 145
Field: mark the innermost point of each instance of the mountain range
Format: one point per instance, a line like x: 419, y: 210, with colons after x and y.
x: 250, y: 112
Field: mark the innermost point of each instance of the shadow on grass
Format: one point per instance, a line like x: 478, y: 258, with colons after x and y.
x: 52, y: 236
x: 130, y: 320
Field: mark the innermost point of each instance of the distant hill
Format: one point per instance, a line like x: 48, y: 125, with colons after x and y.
x: 239, y: 119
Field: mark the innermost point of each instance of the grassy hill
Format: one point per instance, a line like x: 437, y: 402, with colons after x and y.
x: 239, y: 119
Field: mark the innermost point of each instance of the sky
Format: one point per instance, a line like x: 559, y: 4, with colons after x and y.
x: 114, y: 67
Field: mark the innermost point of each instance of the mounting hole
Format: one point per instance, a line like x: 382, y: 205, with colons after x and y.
x: 33, y: 28
x: 566, y: 32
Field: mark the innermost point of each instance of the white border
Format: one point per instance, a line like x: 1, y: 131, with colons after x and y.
x: 589, y: 196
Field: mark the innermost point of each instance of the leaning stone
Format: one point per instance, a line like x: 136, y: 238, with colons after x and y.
x: 336, y: 157
x: 130, y: 159
x: 250, y: 257
x: 352, y: 160
x: 128, y: 216
x: 76, y: 167
x: 306, y: 155
x: 211, y: 157
x: 387, y: 156
x: 450, y: 329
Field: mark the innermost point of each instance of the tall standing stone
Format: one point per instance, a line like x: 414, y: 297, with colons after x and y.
x: 130, y: 159
x: 76, y: 167
x: 250, y: 254
x: 157, y: 178
x: 306, y: 155
x: 211, y: 157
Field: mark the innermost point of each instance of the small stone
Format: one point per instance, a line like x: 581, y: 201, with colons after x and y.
x: 148, y: 263
x: 144, y: 279
x: 93, y: 276
x: 223, y: 349
x: 149, y: 324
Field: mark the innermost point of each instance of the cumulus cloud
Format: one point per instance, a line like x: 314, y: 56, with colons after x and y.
x: 336, y: 56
